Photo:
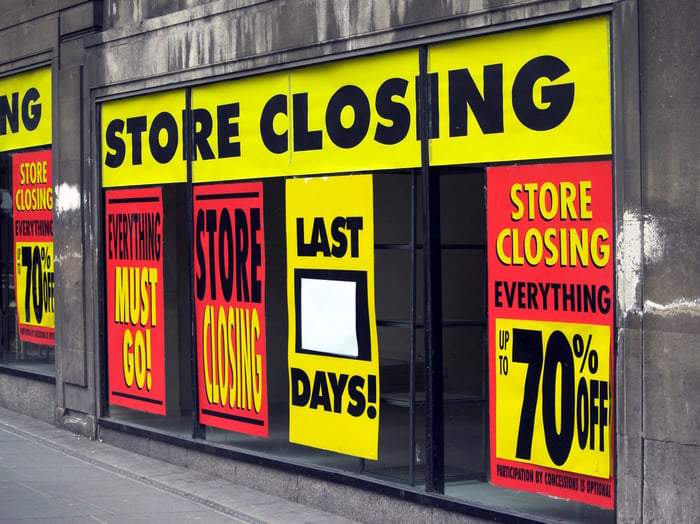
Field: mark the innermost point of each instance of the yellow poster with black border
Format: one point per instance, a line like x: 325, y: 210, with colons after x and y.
x: 25, y: 109
x: 333, y: 357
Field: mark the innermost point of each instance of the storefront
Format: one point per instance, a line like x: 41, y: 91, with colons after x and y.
x: 395, y: 263
x: 352, y: 239
x: 26, y: 223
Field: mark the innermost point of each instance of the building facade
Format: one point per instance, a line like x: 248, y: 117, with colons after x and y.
x: 400, y: 260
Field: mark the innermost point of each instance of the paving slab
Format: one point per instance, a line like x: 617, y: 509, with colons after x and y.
x: 49, y: 475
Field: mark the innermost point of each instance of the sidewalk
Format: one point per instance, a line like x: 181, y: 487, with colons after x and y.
x: 51, y: 475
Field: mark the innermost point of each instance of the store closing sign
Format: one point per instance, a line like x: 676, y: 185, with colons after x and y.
x: 33, y: 234
x: 25, y: 109
x: 333, y: 359
x: 527, y: 94
x: 551, y: 329
x: 229, y: 282
x: 135, y: 307
x: 142, y: 135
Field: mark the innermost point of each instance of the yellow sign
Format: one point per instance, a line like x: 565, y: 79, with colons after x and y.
x: 344, y: 116
x: 142, y: 140
x: 35, y: 284
x: 534, y: 93
x: 25, y: 109
x: 560, y: 372
x: 528, y: 94
x: 333, y: 359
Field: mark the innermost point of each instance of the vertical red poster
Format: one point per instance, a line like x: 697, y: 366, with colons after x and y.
x: 33, y: 234
x: 229, y: 266
x: 551, y: 328
x: 135, y: 308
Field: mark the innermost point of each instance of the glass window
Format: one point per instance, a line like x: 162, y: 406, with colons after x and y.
x: 148, y: 311
x: 26, y: 262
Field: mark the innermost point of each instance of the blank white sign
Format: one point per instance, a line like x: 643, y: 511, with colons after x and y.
x: 328, y: 317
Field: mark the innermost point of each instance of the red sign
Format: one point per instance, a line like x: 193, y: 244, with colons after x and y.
x: 551, y: 328
x: 32, y: 204
x: 135, y: 308
x: 229, y: 265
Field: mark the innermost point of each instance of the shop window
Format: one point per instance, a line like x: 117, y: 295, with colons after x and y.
x: 160, y: 358
x: 26, y: 262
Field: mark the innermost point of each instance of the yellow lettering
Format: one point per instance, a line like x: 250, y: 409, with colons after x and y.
x: 128, y: 358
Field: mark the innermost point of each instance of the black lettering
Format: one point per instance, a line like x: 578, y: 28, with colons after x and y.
x: 226, y: 248
x: 110, y: 234
x: 337, y: 386
x: 341, y: 245
x: 9, y: 114
x: 532, y: 295
x: 114, y: 142
x: 544, y: 289
x: 241, y: 255
x: 303, y: 249
x: 348, y: 137
x: 211, y: 229
x: 304, y: 140
x: 301, y: 388
x: 463, y: 94
x: 227, y: 130
x: 319, y: 238
x: 559, y: 98
x: 135, y: 126
x: 355, y: 386
x: 31, y: 117
x: 354, y: 225
x: 202, y: 125
x: 510, y: 294
x: 255, y: 256
x: 273, y: 142
x: 201, y: 279
x: 498, y: 284
x: 320, y: 395
x: 604, y: 299
x: 163, y: 154
x: 396, y: 112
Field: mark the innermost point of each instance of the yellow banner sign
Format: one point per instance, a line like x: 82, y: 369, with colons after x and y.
x: 333, y: 359
x: 142, y: 140
x: 25, y: 109
x: 528, y: 94
x: 535, y: 93
x: 561, y: 373
x: 334, y: 117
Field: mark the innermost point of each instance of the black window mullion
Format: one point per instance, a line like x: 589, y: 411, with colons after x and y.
x: 434, y: 412
x: 198, y: 430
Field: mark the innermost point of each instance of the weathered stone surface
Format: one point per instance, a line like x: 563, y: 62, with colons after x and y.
x: 671, y: 480
x: 672, y: 387
x: 29, y: 397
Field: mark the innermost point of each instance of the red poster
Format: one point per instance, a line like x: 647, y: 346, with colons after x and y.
x: 32, y: 203
x: 551, y: 329
x: 229, y: 278
x: 135, y: 308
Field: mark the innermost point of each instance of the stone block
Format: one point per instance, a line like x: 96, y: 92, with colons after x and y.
x: 671, y: 480
x: 672, y: 387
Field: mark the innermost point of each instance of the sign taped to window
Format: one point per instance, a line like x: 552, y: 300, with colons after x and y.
x: 551, y: 329
x: 229, y: 266
x: 135, y: 307
x: 333, y: 360
x: 33, y: 233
